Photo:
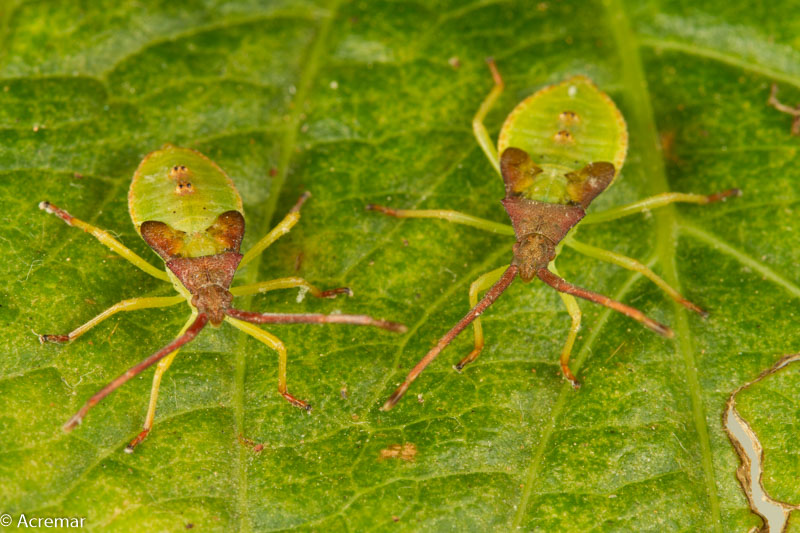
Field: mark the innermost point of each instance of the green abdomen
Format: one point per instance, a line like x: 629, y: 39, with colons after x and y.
x: 185, y: 190
x: 564, y: 127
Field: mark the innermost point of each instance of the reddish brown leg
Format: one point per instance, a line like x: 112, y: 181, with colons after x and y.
x: 288, y: 318
x: 190, y: 334
x: 563, y: 286
x: 295, y: 401
x: 137, y: 440
x: 487, y: 300
x: 481, y: 284
x: 333, y: 293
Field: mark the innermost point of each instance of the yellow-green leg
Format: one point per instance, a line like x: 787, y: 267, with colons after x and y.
x: 484, y: 140
x: 575, y: 314
x: 479, y: 285
x: 125, y: 305
x: 445, y: 214
x: 105, y: 238
x: 288, y: 283
x: 284, y: 227
x: 634, y: 265
x: 275, y: 343
x: 488, y: 147
x: 162, y: 367
x: 190, y: 331
x: 659, y: 200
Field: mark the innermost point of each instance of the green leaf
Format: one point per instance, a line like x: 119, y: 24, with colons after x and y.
x: 772, y: 405
x: 766, y: 410
x: 363, y: 102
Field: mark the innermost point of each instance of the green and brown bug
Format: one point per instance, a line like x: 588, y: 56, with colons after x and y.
x: 188, y: 211
x: 580, y: 140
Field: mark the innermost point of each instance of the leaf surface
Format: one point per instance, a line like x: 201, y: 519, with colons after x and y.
x: 372, y: 102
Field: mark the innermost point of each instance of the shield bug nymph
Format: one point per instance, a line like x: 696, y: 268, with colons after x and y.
x: 188, y: 211
x: 558, y: 150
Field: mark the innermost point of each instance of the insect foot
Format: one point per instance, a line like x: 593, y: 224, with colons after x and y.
x: 53, y: 338
x: 794, y: 112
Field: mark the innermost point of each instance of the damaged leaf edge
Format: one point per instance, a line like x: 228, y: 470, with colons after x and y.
x: 764, y: 505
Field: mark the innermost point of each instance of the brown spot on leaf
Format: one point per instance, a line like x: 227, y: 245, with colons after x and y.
x: 250, y: 443
x: 405, y: 452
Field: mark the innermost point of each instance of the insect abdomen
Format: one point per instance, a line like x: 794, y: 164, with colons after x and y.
x: 567, y: 125
x: 187, y: 192
x: 182, y: 188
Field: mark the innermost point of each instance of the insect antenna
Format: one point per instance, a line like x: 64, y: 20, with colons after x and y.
x: 488, y: 299
x: 197, y: 326
x: 561, y: 285
x: 302, y: 318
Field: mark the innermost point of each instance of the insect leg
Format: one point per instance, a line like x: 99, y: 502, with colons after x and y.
x: 783, y: 108
x: 484, y: 140
x: 488, y: 299
x: 445, y: 214
x: 190, y: 333
x: 659, y: 200
x: 301, y: 318
x: 161, y: 368
x: 125, y: 305
x: 634, y: 265
x: 283, y: 227
x: 481, y: 284
x: 563, y: 286
x: 105, y: 238
x: 575, y: 314
x: 275, y: 343
x: 288, y: 283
